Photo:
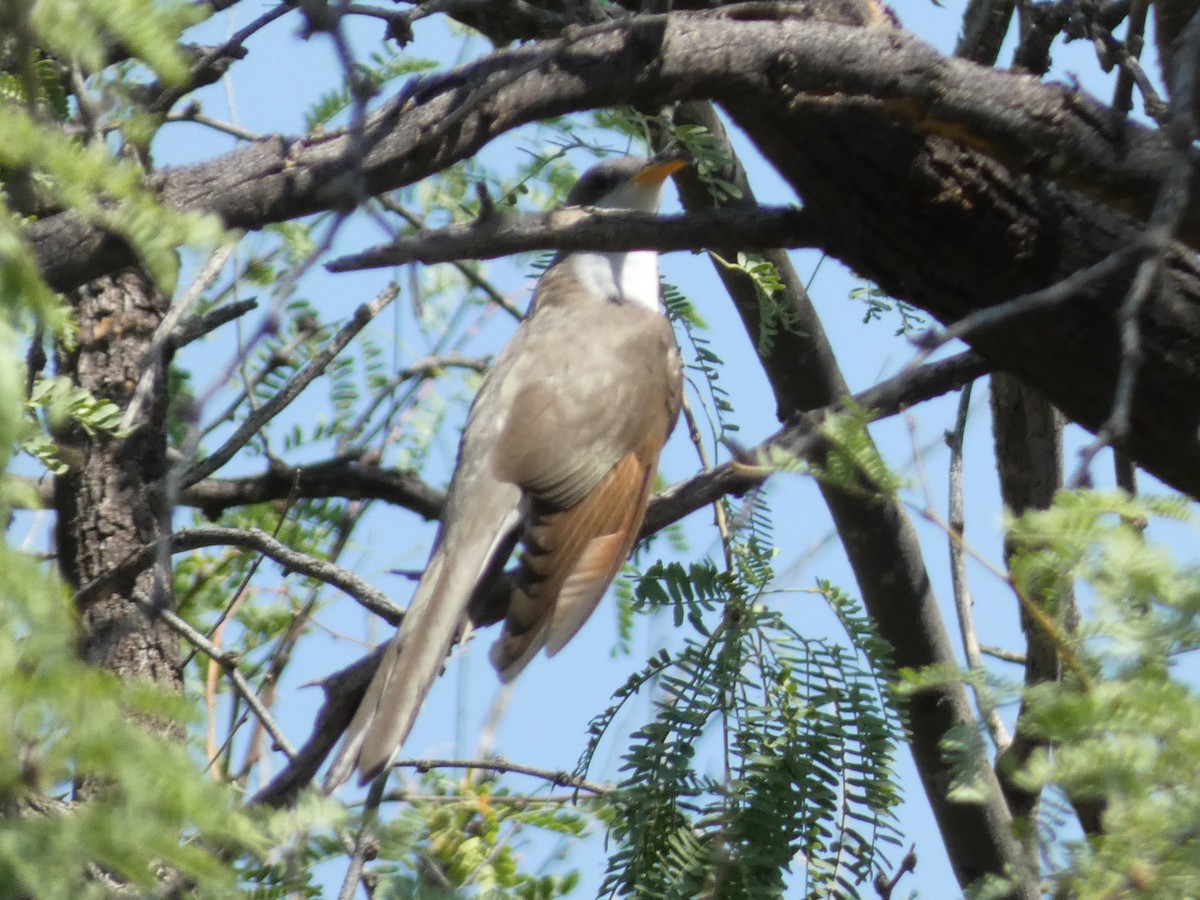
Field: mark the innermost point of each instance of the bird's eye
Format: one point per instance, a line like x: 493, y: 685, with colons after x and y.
x: 600, y: 185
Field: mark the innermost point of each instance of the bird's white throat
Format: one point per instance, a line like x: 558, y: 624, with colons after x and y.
x: 631, y: 277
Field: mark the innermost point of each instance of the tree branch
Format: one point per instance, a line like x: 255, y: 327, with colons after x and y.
x: 828, y: 105
x: 228, y: 662
x: 354, y: 478
x: 757, y: 228
x: 292, y: 390
x: 343, y: 692
x: 964, y: 600
x: 252, y: 539
x: 1048, y: 130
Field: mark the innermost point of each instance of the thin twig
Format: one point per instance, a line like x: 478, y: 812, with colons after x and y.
x: 557, y: 778
x: 251, y: 571
x: 884, y: 886
x: 719, y: 518
x: 253, y: 539
x: 231, y: 47
x: 364, y: 845
x: 152, y: 368
x: 306, y: 331
x: 282, y: 654
x: 192, y: 113
x: 422, y: 368
x: 1010, y: 311
x: 312, y: 369
x: 515, y: 800
x: 464, y: 268
x: 210, y: 691
x: 229, y: 662
x: 1134, y: 38
x: 1040, y: 620
x: 1003, y: 654
x: 963, y: 601
x: 1156, y: 241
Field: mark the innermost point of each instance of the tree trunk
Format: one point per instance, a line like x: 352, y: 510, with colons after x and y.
x: 110, y: 503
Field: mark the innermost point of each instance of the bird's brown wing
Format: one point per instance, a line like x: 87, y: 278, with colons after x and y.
x: 585, y: 454
x: 570, y: 558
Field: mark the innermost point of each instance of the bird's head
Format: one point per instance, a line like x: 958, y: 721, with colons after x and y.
x: 628, y: 182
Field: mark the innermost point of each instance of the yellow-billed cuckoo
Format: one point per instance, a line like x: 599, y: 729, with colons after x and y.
x: 560, y: 447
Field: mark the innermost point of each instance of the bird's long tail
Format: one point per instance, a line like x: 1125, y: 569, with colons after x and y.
x: 416, y: 654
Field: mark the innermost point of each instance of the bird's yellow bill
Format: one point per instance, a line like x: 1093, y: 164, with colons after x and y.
x: 657, y: 173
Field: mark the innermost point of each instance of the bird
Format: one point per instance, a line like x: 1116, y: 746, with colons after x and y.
x: 559, y: 453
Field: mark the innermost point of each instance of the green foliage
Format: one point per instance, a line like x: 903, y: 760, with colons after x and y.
x: 766, y: 763
x: 47, y: 88
x: 878, y: 304
x: 708, y: 160
x: 801, y: 729
x: 148, y: 816
x: 100, y: 189
x: 63, y: 402
x: 704, y: 362
x: 1132, y: 736
x: 61, y: 720
x: 460, y: 838
x: 1123, y: 728
x: 88, y: 179
x: 300, y: 838
x: 86, y: 31
x: 775, y: 314
x: 851, y: 461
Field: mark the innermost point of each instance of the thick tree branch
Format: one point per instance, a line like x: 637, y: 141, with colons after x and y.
x: 875, y: 532
x: 354, y: 477
x: 757, y: 228
x: 349, y: 479
x: 1043, y: 129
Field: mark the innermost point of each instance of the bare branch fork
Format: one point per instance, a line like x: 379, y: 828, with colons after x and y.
x: 227, y: 661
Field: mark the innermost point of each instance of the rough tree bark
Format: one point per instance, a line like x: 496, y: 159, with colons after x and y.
x: 109, y: 505
x: 1028, y: 439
